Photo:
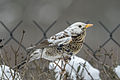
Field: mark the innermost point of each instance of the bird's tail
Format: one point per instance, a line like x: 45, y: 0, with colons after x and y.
x: 35, y: 55
x: 21, y: 65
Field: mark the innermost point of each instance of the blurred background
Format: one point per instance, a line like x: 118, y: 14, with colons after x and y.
x: 104, y: 14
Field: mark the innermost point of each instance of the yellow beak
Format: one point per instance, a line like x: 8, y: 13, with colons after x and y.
x: 88, y: 25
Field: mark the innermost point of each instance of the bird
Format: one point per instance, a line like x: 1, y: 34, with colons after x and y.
x: 62, y: 45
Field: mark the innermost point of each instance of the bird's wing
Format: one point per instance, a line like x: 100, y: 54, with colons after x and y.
x: 61, y: 38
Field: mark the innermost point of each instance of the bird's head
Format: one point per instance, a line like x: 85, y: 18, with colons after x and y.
x: 78, y: 28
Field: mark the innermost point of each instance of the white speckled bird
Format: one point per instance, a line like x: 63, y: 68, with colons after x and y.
x: 59, y: 46
x: 63, y: 44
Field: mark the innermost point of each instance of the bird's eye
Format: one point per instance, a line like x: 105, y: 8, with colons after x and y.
x: 79, y: 26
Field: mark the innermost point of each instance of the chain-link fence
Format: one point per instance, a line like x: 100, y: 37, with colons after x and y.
x: 39, y: 68
x: 44, y: 32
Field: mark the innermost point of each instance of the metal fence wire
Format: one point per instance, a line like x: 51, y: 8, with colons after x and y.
x: 44, y: 32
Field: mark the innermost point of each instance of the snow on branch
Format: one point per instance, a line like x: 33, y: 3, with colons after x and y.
x: 77, y: 68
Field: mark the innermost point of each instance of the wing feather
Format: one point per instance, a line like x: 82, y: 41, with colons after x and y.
x: 56, y: 40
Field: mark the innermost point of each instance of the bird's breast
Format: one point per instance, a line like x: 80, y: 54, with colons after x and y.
x: 75, y: 47
x: 76, y: 43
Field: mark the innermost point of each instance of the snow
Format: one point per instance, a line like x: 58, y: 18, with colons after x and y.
x: 117, y: 70
x: 77, y: 64
x: 7, y: 74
